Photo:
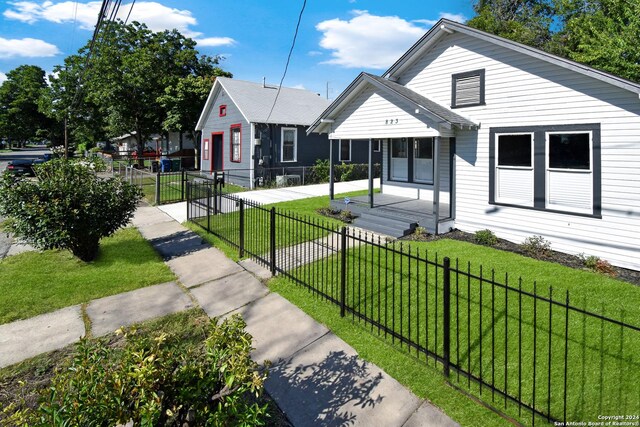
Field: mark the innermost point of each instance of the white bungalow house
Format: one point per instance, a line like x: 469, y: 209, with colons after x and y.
x: 480, y: 132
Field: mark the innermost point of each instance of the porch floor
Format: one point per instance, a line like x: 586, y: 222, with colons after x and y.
x: 395, y: 216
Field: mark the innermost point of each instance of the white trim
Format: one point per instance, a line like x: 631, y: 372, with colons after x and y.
x: 295, y: 145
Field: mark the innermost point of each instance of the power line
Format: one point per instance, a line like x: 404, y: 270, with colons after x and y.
x: 286, y: 67
x: 129, y: 14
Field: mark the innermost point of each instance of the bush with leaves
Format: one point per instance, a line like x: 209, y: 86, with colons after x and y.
x: 536, y: 246
x: 67, y: 207
x: 157, y: 381
x: 485, y: 237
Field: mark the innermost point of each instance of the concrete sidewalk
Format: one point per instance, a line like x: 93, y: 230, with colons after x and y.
x: 316, y: 378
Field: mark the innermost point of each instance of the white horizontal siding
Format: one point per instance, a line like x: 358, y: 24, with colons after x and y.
x: 374, y: 115
x: 521, y: 91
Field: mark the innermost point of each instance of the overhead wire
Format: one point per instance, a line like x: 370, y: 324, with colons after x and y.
x: 286, y: 67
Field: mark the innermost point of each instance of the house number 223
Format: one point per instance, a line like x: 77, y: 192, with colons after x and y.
x: 391, y: 122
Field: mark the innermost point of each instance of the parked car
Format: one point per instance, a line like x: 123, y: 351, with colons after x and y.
x: 21, y: 167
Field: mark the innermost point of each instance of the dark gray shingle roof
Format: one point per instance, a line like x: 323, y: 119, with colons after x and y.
x: 294, y: 106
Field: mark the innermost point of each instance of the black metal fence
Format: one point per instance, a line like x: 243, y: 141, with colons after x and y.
x: 512, y: 344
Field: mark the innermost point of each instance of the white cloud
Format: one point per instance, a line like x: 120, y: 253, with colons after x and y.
x: 26, y: 48
x: 156, y: 16
x: 456, y: 17
x: 314, y: 53
x: 216, y: 41
x: 367, y: 41
x: 299, y: 86
x: 3, y: 77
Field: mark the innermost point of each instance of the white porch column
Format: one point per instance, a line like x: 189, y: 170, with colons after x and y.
x: 436, y: 182
x: 331, y: 177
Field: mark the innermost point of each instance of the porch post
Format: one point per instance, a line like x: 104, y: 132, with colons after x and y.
x: 370, y: 173
x: 436, y: 182
x: 331, y: 169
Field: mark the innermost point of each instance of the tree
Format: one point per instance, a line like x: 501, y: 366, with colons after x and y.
x: 20, y: 117
x: 524, y: 21
x: 603, y: 34
x: 67, y: 207
x: 130, y: 71
x: 67, y: 99
x: 184, y: 101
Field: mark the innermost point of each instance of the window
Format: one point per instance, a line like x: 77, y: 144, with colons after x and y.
x: 467, y: 89
x: 555, y: 168
x: 514, y: 170
x: 289, y: 143
x: 423, y: 160
x: 205, y: 149
x: 399, y: 159
x: 345, y: 150
x: 377, y: 143
x: 569, y: 178
x: 223, y: 111
x: 236, y: 142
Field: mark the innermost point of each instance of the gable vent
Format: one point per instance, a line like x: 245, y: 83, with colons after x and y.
x: 468, y: 90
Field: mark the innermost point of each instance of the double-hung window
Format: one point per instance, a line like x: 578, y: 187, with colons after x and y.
x: 514, y: 169
x: 288, y: 146
x: 569, y: 172
x: 236, y: 142
x: 345, y: 150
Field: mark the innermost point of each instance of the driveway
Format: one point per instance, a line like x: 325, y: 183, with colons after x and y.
x: 178, y: 211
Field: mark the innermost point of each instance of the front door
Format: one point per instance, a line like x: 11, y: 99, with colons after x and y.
x: 217, y: 163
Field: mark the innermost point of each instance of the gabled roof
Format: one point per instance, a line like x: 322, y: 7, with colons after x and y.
x: 438, y: 112
x: 445, y: 27
x: 255, y: 100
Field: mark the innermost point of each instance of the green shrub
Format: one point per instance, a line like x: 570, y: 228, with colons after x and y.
x: 67, y: 207
x: 536, y: 246
x: 598, y: 265
x: 485, y: 237
x: 157, y: 381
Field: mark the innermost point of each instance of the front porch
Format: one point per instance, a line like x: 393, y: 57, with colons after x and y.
x: 394, y: 216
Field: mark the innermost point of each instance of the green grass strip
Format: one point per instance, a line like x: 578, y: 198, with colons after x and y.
x: 33, y: 283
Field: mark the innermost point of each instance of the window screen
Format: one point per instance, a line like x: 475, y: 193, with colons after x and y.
x: 235, y: 144
x: 569, y: 151
x: 345, y: 150
x: 399, y: 148
x: 423, y: 148
x: 514, y: 150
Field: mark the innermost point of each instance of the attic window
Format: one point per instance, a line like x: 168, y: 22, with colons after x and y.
x: 467, y: 89
x: 223, y: 110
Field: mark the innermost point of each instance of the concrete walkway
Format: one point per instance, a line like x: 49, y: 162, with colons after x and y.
x: 178, y: 211
x: 316, y: 378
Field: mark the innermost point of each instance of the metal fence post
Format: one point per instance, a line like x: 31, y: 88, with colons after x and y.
x: 272, y: 240
x: 158, y: 187
x: 208, y: 193
x: 447, y: 315
x: 343, y: 271
x: 182, y: 184
x: 241, y: 228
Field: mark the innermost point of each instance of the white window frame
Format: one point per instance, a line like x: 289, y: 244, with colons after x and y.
x: 415, y: 160
x: 498, y: 167
x: 340, y: 159
x: 295, y: 145
x: 392, y: 171
x: 549, y: 170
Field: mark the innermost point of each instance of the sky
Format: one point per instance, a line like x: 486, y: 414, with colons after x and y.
x: 337, y: 39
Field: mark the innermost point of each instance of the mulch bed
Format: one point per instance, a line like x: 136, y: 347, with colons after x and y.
x: 624, y: 274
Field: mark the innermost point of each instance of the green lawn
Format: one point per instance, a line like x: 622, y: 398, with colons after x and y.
x: 407, y: 297
x: 33, y: 283
x: 289, y: 232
